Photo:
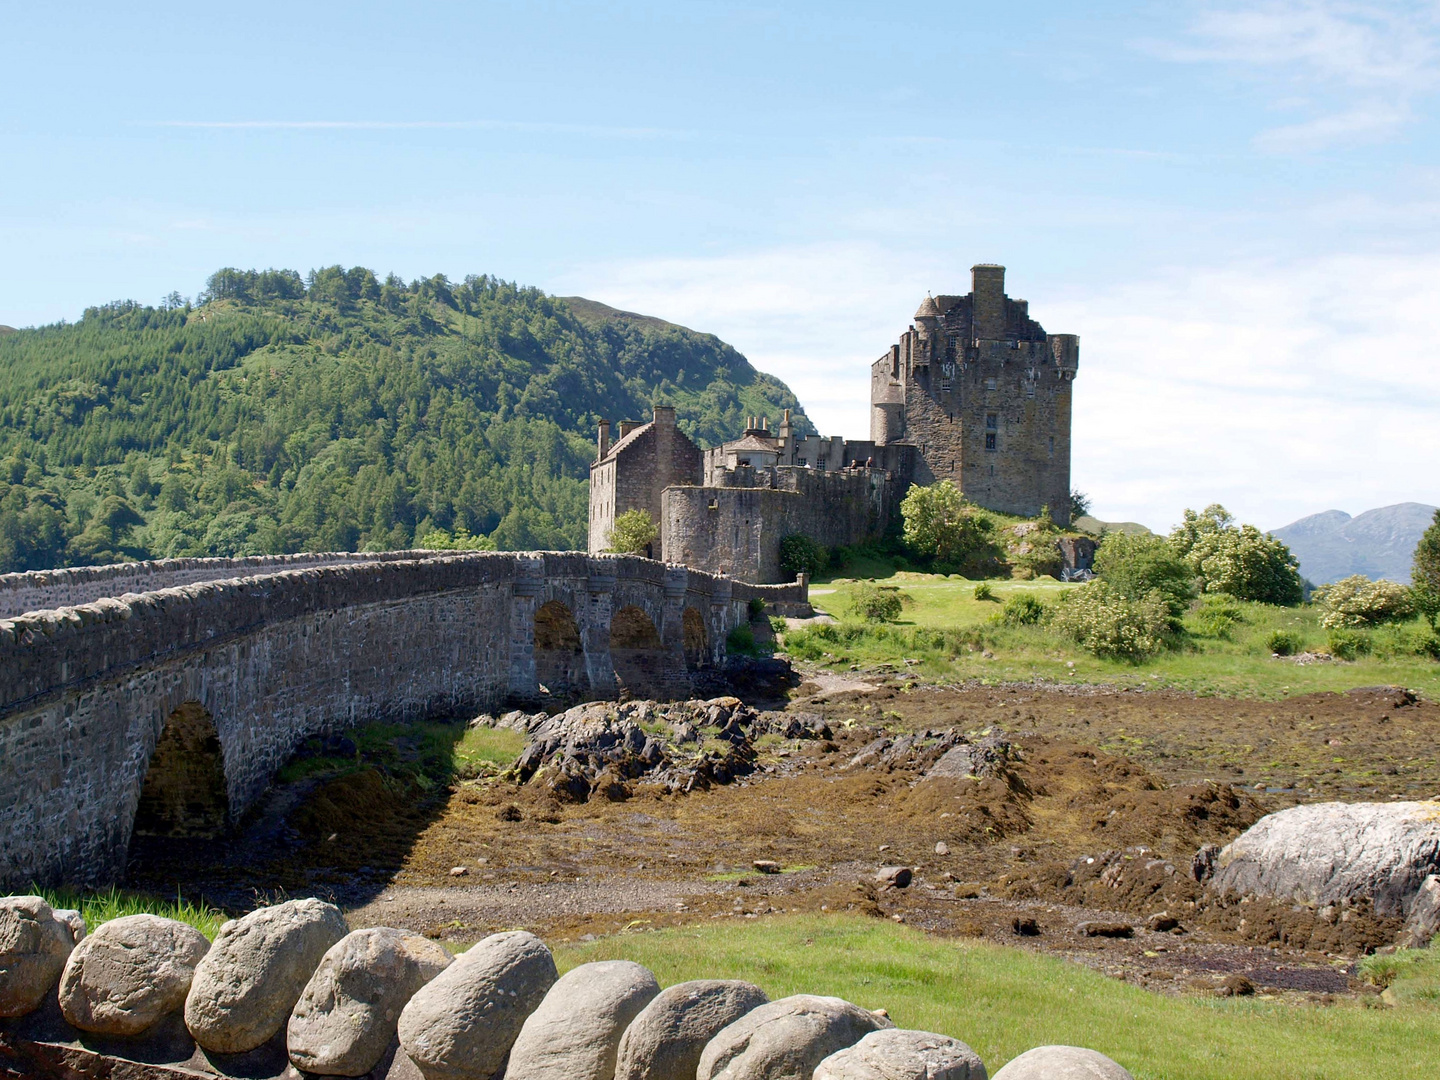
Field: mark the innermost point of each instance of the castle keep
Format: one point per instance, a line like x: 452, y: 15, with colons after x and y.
x: 975, y: 392
x: 983, y: 394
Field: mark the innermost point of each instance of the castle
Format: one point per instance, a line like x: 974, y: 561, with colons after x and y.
x: 975, y: 392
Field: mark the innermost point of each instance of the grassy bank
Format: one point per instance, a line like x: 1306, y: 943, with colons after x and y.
x: 948, y: 632
x: 101, y: 907
x: 1004, y: 1001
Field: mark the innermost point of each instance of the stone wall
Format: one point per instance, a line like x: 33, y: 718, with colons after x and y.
x: 86, y: 691
x: 737, y: 528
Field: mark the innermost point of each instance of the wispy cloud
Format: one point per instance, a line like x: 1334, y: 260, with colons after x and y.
x: 1368, y: 62
x: 538, y: 127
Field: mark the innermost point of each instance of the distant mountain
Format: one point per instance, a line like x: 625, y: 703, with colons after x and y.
x: 1091, y: 524
x: 1378, y: 543
x: 6, y: 329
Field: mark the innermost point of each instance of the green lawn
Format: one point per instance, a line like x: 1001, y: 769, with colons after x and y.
x: 948, y: 632
x: 101, y: 907
x: 1003, y: 1001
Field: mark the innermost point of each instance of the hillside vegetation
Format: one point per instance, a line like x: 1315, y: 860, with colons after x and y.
x: 335, y: 412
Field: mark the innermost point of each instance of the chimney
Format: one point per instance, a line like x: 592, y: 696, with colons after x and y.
x: 664, y: 416
x: 627, y: 426
x: 785, y: 429
x: 987, y: 285
x: 604, y: 439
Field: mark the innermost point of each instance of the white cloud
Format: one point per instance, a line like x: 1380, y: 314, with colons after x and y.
x: 1369, y: 62
x: 1279, y: 389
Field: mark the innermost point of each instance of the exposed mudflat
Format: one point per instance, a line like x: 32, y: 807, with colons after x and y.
x: 1093, y: 820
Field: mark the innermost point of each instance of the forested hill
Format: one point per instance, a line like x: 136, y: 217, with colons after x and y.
x: 335, y: 412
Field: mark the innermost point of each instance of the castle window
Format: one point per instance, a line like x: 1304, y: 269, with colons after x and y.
x: 989, y: 384
x: 1052, y: 445
x: 820, y: 464
x: 990, y: 440
x: 944, y: 386
x: 1030, y: 388
x: 802, y: 462
x: 745, y: 462
x: 992, y: 422
x: 951, y: 341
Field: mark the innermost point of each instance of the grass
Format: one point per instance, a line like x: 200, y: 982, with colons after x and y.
x: 1004, y: 1001
x: 948, y: 631
x: 101, y: 907
x: 420, y: 753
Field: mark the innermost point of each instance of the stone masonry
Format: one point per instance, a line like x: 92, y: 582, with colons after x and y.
x: 247, y: 668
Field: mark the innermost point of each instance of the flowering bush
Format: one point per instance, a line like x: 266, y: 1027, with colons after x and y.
x: 1102, y: 620
x: 1357, y: 601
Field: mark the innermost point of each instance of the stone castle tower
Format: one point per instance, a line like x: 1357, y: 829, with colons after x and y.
x: 983, y: 394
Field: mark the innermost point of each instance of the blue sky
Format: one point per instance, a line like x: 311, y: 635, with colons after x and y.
x: 1235, y: 205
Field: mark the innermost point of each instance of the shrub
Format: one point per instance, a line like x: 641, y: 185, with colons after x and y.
x: 799, y: 554
x: 1136, y: 565
x: 756, y: 606
x: 1349, y: 644
x: 940, y: 525
x: 1216, y: 616
x: 876, y: 604
x: 1098, y: 618
x: 983, y: 591
x: 741, y: 641
x: 1022, y: 610
x: 1243, y: 561
x: 1357, y: 601
x: 1284, y: 642
x: 632, y: 533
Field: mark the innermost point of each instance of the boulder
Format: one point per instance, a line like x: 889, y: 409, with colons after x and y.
x: 895, y: 1054
x: 347, y: 1014
x: 1324, y: 853
x: 461, y: 1025
x: 252, y: 976
x: 786, y: 1039
x: 1424, y: 921
x: 130, y: 973
x: 666, y: 1040
x: 894, y: 877
x: 575, y: 1033
x: 1062, y: 1063
x: 35, y: 942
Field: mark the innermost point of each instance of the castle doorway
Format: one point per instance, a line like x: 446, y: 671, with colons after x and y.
x: 641, y: 661
x: 559, y: 655
x: 697, y: 644
x: 184, y: 793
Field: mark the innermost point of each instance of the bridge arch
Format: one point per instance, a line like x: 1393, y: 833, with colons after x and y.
x: 559, y: 651
x: 184, y: 792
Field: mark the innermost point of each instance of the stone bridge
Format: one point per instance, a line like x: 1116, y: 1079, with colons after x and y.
x: 162, y: 697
